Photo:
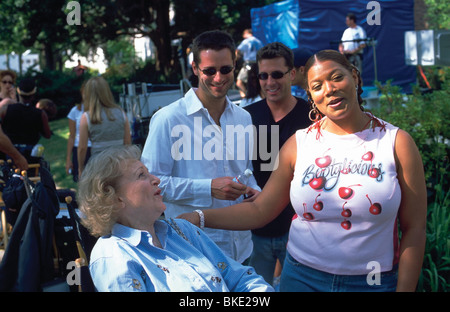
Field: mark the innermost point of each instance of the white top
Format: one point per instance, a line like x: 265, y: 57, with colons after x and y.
x: 352, y: 34
x: 249, y: 48
x: 346, y: 196
x: 75, y: 115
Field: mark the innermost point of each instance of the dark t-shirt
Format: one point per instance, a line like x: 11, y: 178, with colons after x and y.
x: 296, y: 119
x: 23, y: 124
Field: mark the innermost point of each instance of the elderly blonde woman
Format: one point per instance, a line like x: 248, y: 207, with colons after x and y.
x: 104, y: 122
x: 137, y: 251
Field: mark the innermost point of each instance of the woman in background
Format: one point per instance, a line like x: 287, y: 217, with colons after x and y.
x: 74, y: 117
x: 7, y: 89
x: 104, y: 122
x: 254, y: 92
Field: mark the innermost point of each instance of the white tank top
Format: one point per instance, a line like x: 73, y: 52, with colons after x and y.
x: 346, y: 196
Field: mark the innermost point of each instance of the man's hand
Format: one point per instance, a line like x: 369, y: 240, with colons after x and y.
x: 251, y: 194
x: 226, y: 188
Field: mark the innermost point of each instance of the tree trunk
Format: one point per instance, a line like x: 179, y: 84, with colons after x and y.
x: 161, y: 36
x: 49, y: 57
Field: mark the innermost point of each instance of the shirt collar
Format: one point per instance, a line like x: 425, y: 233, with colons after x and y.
x: 193, y: 103
x: 134, y: 236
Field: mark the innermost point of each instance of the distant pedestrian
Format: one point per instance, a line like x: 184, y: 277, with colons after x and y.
x: 7, y: 89
x: 352, y: 45
x: 104, y: 122
x: 247, y: 49
x: 47, y: 106
x: 22, y: 122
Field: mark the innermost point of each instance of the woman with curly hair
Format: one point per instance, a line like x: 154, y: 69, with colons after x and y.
x: 137, y: 250
x: 7, y: 89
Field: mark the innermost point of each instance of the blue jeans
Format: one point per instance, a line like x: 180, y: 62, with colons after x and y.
x: 298, y: 277
x: 266, y: 251
x: 75, y: 161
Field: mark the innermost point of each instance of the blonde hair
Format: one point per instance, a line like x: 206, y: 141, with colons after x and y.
x: 97, y: 96
x: 97, y: 187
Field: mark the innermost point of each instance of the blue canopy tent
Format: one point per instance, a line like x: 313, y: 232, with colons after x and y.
x: 319, y: 24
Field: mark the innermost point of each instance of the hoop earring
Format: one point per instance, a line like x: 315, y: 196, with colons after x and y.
x: 314, y: 111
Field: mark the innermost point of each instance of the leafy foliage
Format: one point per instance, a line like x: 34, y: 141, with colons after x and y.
x: 42, y: 25
x: 425, y: 117
x: 436, y: 267
x: 63, y: 88
x: 438, y: 14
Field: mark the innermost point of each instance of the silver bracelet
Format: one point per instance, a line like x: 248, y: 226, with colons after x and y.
x: 202, y: 218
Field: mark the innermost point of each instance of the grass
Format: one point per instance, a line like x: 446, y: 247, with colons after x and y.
x: 55, y: 153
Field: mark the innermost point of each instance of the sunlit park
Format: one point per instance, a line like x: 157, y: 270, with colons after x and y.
x: 49, y: 49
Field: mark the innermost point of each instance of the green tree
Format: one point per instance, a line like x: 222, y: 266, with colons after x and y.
x: 34, y: 24
x: 42, y: 25
x: 438, y: 14
x: 106, y: 20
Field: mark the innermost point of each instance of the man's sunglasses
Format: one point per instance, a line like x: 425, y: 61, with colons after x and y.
x: 275, y: 75
x: 211, y: 71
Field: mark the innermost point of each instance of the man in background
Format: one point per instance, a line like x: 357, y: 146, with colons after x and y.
x: 352, y: 42
x: 282, y: 115
x: 299, y: 84
x: 247, y: 49
x: 23, y: 123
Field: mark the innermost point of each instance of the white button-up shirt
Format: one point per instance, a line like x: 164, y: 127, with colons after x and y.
x: 186, y: 149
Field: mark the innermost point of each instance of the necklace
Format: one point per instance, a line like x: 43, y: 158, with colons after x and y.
x: 324, y: 123
x: 369, y: 123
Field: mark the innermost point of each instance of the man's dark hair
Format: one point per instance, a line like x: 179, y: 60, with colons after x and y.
x: 215, y: 40
x: 274, y: 50
x: 352, y: 16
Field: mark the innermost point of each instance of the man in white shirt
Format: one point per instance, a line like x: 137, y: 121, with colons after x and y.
x: 352, y: 44
x: 197, y: 144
